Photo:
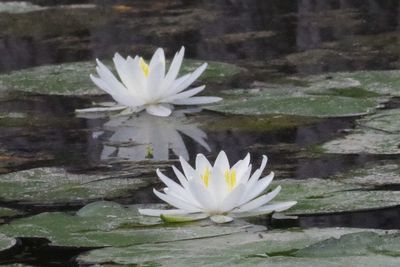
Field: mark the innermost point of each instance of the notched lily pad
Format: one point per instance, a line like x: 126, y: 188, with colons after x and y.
x: 384, y: 82
x: 73, y: 78
x: 105, y: 223
x: 55, y: 185
x: 292, y: 101
x: 374, y: 134
x: 327, y: 196
x: 272, y: 248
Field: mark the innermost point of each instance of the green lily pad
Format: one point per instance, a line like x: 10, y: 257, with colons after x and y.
x: 252, y: 123
x: 374, y: 134
x: 292, y: 101
x: 7, y: 212
x: 104, y: 223
x: 383, y: 173
x: 385, y: 82
x: 339, y: 195
x: 271, y: 248
x: 55, y: 185
x: 6, y: 242
x: 73, y: 78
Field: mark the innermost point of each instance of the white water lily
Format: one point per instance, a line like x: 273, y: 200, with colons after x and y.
x: 147, y: 86
x: 220, y: 192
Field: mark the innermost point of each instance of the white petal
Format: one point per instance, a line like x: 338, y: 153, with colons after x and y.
x: 197, y: 100
x: 133, y: 64
x: 182, y: 179
x: 100, y: 109
x: 202, y: 163
x: 185, y: 94
x: 176, y: 202
x: 193, y: 76
x: 158, y: 57
x: 260, y: 201
x: 156, y: 212
x: 257, y: 188
x: 126, y: 74
x: 107, y: 76
x: 158, y: 110
x: 241, y: 167
x: 174, y: 69
x: 222, y: 162
x: 217, y: 185
x: 232, y: 198
x: 203, y: 197
x: 266, y: 209
x: 101, y: 84
x: 171, y: 184
x: 189, y: 172
x: 171, y: 89
x: 221, y: 219
x: 154, y: 81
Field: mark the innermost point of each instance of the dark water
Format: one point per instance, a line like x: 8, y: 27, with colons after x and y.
x: 270, y: 38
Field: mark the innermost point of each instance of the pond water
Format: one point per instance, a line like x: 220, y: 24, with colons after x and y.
x: 273, y: 45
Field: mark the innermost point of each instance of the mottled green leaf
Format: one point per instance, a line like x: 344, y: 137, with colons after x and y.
x: 73, y: 78
x: 256, y: 248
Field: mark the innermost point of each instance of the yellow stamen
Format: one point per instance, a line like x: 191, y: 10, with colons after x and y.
x: 206, y: 176
x: 144, y: 66
x: 230, y: 178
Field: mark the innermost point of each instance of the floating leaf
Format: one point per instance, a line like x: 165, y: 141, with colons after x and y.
x: 73, y: 78
x: 292, y: 102
x: 374, y: 134
x: 7, y: 212
x: 6, y: 242
x: 55, y: 185
x: 15, y: 7
x: 326, y: 196
x: 271, y: 248
x: 381, y: 82
x: 104, y: 223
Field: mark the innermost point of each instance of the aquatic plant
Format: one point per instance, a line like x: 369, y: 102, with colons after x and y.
x: 220, y: 192
x: 146, y: 86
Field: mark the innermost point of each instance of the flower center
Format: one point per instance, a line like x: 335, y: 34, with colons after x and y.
x: 206, y: 176
x: 144, y: 66
x: 230, y: 179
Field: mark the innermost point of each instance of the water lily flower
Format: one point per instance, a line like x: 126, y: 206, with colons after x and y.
x: 220, y: 192
x: 147, y: 86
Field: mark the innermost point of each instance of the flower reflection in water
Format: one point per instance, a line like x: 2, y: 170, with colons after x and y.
x: 141, y: 137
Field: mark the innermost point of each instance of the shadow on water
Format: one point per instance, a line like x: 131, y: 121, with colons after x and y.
x: 269, y: 38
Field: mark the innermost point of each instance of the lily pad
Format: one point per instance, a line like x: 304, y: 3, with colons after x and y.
x: 327, y: 196
x: 385, y: 82
x: 7, y: 212
x: 272, y: 248
x: 55, y: 185
x: 104, y: 223
x: 380, y: 174
x: 292, y: 101
x: 374, y: 134
x: 19, y: 7
x: 73, y: 78
x: 6, y: 242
